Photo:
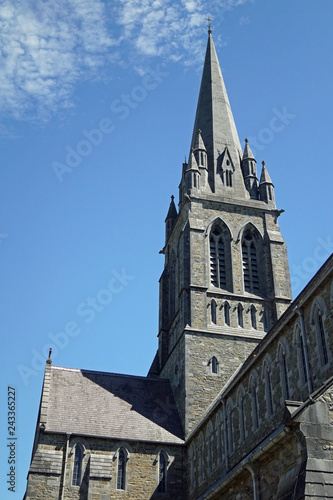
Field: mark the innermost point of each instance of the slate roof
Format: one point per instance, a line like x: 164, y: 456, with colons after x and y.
x: 110, y: 405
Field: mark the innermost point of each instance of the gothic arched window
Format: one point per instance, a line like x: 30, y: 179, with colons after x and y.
x: 217, y: 259
x: 254, y: 401
x: 162, y: 472
x: 192, y: 465
x: 200, y: 458
x: 121, y: 470
x: 241, y: 414
x: 213, y: 364
x: 282, y: 357
x: 317, y: 315
x: 250, y: 263
x: 213, y: 312
x: 210, y: 444
x: 219, y: 435
x: 77, y: 467
x: 220, y: 256
x: 230, y: 431
x: 253, y: 313
x: 301, y: 354
x: 268, y: 388
x: 240, y: 315
x: 227, y: 314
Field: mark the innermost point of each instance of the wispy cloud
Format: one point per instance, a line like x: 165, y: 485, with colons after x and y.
x: 47, y: 47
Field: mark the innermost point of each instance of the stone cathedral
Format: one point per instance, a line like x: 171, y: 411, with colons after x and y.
x: 238, y: 401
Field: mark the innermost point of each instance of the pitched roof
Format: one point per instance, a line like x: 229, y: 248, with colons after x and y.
x: 111, y: 405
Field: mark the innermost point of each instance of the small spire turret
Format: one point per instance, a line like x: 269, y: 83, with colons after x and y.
x: 170, y: 218
x: 192, y: 173
x: 249, y: 169
x: 266, y: 187
x: 200, y: 154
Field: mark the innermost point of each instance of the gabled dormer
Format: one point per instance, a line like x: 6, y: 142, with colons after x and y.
x: 226, y: 169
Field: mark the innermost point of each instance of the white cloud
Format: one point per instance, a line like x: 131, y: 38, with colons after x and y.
x: 47, y: 46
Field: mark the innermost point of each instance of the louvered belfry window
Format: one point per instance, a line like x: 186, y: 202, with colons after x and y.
x: 217, y: 259
x: 250, y: 264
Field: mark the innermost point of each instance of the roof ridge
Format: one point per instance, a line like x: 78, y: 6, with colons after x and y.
x: 142, y: 377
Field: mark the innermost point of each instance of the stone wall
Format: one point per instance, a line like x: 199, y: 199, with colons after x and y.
x: 99, y: 470
x: 234, y: 426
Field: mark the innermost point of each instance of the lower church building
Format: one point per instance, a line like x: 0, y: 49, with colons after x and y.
x: 238, y: 401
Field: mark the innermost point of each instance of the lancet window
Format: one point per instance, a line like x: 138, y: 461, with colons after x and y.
x: 220, y: 256
x: 77, y: 468
x: 162, y: 472
x: 121, y: 470
x: 320, y: 332
x: 282, y: 357
x: 250, y: 263
x: 301, y: 354
x: 268, y: 388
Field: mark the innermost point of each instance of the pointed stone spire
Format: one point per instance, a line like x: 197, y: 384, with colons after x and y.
x: 215, y: 121
x: 265, y: 178
x: 192, y: 162
x: 199, y: 143
x: 172, y: 213
x: 247, y: 154
x: 170, y: 218
x: 266, y: 187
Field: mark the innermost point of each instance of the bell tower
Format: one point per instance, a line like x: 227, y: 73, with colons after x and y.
x: 226, y: 277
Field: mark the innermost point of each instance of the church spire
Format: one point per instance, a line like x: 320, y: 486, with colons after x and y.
x: 215, y: 121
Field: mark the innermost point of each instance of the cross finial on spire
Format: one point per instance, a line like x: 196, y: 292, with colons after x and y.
x: 172, y: 197
x: 209, y: 24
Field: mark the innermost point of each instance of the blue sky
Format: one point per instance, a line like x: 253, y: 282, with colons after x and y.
x: 97, y: 107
